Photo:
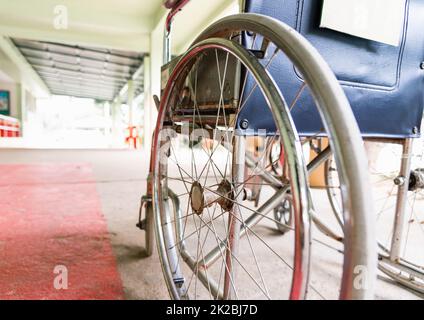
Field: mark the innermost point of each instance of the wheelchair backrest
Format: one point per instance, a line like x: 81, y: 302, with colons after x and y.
x: 384, y: 83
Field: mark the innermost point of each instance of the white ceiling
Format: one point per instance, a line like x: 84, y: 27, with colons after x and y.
x: 120, y: 24
x: 114, y: 24
x: 126, y: 25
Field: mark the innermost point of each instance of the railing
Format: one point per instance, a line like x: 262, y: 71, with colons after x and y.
x: 9, y: 127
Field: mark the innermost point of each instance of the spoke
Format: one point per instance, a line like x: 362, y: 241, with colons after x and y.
x: 222, y: 255
x: 298, y: 94
x: 197, y: 257
x: 221, y: 85
x: 181, y: 170
x: 182, y: 180
x: 221, y: 103
x: 191, y: 146
x: 311, y: 138
x: 385, y: 203
x: 201, y: 124
x: 256, y: 260
x: 242, y: 266
x: 247, y: 208
x: 256, y: 84
x: 193, y: 233
x: 264, y: 242
x: 223, y: 259
x: 385, y: 209
x: 273, y: 251
x: 210, y: 159
x: 262, y: 170
x: 182, y: 194
x: 180, y: 218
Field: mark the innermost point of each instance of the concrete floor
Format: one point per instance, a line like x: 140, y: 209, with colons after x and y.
x: 120, y: 180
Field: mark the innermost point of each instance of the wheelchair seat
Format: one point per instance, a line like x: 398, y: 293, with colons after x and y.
x: 384, y: 83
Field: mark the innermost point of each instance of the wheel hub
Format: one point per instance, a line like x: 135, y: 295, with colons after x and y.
x: 197, y: 198
x: 201, y: 198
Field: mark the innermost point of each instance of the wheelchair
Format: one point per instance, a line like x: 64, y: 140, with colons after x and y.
x: 228, y: 196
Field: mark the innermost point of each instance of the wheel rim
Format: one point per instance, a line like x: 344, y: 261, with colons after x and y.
x: 161, y: 206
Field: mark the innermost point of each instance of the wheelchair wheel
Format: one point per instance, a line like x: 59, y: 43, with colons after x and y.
x: 332, y: 187
x: 146, y: 223
x: 149, y: 230
x: 211, y: 230
x: 276, y: 158
x: 216, y: 243
x: 283, y: 214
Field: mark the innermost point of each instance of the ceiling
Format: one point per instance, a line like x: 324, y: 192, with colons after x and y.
x: 81, y: 71
x: 118, y: 24
x: 100, y: 49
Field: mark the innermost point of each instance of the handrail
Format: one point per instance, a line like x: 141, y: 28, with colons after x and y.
x: 167, y: 32
x: 173, y: 12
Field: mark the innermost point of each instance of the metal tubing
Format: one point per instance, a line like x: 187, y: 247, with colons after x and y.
x: 234, y: 220
x: 401, y: 200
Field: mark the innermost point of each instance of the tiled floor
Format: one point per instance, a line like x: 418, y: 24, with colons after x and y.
x: 120, y: 180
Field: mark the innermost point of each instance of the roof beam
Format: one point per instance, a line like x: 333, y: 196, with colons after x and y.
x: 88, y: 82
x: 27, y: 43
x: 62, y: 78
x: 58, y: 88
x: 82, y: 58
x: 83, y: 96
x: 96, y: 73
x: 26, y: 69
x: 52, y: 82
x: 81, y: 93
x: 79, y: 74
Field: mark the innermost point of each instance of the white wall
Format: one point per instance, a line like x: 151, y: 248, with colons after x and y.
x: 11, y: 87
x: 22, y: 99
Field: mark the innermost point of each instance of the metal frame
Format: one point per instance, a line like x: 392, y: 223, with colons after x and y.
x: 391, y: 262
x: 389, y: 259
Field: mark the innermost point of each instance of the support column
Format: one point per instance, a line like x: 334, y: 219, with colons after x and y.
x: 401, y: 202
x: 116, y: 105
x: 21, y: 112
x: 148, y: 104
x: 108, y: 125
x: 130, y: 103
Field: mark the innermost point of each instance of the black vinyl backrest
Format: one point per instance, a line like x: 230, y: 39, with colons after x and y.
x: 384, y: 83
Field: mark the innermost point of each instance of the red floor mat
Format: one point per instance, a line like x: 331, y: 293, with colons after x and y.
x: 50, y: 216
